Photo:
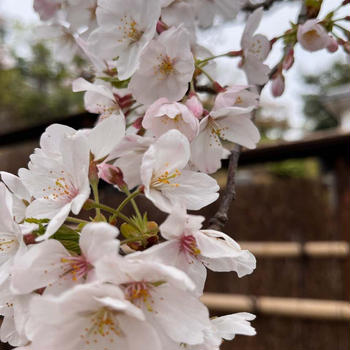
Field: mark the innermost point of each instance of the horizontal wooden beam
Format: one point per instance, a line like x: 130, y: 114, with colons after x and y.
x: 288, y: 307
x: 317, y: 249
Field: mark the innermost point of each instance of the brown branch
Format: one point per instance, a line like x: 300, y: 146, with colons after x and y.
x: 219, y: 220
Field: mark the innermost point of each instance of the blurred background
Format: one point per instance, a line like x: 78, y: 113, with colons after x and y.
x: 292, y: 207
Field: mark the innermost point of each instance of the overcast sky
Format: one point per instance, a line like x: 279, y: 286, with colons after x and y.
x: 227, y: 37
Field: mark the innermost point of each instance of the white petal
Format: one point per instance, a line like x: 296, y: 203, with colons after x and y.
x: 230, y: 325
x: 240, y: 129
x: 39, y: 267
x: 97, y: 240
x: 106, y: 135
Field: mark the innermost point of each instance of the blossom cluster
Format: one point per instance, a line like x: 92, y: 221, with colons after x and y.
x: 117, y: 281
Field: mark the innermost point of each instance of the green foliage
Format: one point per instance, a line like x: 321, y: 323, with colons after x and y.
x: 314, y: 109
x: 296, y: 168
x: 36, y: 89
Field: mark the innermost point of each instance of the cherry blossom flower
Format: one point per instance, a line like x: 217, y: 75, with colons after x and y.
x: 255, y: 50
x: 58, y: 181
x: 20, y: 195
x: 61, y: 39
x: 58, y: 172
x: 181, y: 12
x: 49, y: 264
x: 166, y: 68
x: 236, y: 96
x: 191, y: 249
x: 11, y: 239
x: 163, y: 115
x: 90, y: 316
x: 127, y: 27
x: 63, y: 170
x: 164, y: 295
x: 166, y: 180
x: 128, y: 157
x: 312, y: 36
x: 229, y: 120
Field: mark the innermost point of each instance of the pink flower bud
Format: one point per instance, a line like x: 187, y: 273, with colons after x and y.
x: 288, y: 60
x: 161, y: 27
x: 195, y: 106
x: 312, y: 36
x: 111, y: 174
x: 332, y: 45
x: 277, y: 86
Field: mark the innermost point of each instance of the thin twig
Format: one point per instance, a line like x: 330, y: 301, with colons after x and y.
x: 265, y: 5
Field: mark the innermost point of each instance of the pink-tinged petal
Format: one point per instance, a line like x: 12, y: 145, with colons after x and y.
x: 195, y: 106
x: 164, y: 115
x: 46, y: 8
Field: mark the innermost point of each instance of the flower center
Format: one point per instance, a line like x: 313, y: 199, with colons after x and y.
x: 188, y: 245
x: 61, y: 190
x: 311, y: 35
x: 165, y: 67
x: 216, y: 132
x: 139, y: 293
x: 256, y: 49
x: 165, y: 179
x: 130, y: 30
x: 77, y: 266
x: 103, y: 324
